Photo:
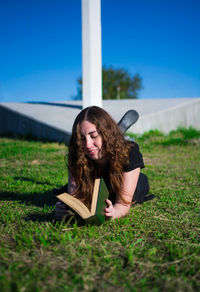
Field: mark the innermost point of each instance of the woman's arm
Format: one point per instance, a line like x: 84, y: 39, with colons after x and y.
x: 120, y: 209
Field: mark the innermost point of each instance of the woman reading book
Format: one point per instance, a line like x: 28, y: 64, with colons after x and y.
x: 97, y: 148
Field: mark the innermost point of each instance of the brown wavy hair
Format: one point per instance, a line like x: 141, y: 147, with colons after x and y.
x: 82, y: 168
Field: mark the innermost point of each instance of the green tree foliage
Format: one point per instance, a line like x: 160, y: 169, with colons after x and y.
x: 117, y: 84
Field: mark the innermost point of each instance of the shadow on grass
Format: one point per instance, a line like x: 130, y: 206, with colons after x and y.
x: 38, y: 217
x: 50, y: 217
x: 37, y: 199
x: 43, y: 200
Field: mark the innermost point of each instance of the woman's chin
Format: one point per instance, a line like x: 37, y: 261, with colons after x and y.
x: 94, y: 156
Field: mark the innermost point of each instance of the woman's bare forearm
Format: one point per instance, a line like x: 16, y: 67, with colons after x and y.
x: 121, y: 210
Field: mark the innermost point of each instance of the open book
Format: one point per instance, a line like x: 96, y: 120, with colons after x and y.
x: 96, y: 214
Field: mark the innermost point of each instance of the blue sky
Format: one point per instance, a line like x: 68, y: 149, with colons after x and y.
x: 40, y: 46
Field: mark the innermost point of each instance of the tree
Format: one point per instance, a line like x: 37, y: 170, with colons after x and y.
x: 117, y: 84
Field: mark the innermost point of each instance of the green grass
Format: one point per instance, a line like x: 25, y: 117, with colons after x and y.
x: 155, y: 248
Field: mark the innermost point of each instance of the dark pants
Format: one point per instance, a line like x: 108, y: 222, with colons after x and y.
x: 142, y: 189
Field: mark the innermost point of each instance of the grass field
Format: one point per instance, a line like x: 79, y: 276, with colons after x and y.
x: 155, y: 248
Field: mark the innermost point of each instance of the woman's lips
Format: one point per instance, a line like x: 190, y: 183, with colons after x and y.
x: 92, y: 151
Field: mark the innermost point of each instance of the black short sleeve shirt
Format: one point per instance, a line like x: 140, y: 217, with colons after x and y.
x: 135, y: 159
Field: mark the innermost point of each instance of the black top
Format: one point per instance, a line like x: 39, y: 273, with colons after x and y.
x: 135, y: 161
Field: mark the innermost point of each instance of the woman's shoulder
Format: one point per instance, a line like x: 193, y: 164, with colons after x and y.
x: 134, y: 145
x: 135, y: 158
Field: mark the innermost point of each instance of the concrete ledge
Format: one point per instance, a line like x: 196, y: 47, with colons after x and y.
x: 185, y: 115
x: 12, y: 122
x: 53, y: 121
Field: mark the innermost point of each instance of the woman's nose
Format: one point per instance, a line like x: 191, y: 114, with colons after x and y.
x: 88, y: 143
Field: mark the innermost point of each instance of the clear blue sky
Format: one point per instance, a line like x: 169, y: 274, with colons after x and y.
x: 40, y: 46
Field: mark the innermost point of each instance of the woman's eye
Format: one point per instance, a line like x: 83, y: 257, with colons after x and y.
x: 93, y: 137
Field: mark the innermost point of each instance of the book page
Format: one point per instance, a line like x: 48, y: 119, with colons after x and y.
x: 95, y: 196
x: 75, y: 204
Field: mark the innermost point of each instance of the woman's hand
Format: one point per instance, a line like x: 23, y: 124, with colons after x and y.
x: 110, y: 210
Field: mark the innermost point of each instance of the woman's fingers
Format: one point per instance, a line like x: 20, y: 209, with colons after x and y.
x: 109, y: 203
x: 109, y: 206
x: 109, y: 211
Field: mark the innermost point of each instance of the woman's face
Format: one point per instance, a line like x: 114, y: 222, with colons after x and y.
x: 91, y: 140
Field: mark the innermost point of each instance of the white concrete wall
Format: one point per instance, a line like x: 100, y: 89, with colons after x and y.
x: 184, y: 115
x: 54, y: 122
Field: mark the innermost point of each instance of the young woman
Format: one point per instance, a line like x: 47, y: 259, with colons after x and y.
x: 97, y: 148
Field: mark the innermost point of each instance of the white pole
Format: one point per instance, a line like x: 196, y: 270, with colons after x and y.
x: 91, y: 53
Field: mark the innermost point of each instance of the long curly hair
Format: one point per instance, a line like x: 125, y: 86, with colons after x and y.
x: 82, y: 168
